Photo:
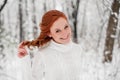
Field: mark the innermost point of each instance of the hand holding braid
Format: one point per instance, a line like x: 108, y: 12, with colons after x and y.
x: 22, y: 50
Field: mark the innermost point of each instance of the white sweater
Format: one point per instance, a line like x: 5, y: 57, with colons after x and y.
x: 57, y: 62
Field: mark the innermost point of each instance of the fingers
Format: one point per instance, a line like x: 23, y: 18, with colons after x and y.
x: 21, y: 54
x: 22, y: 50
x: 21, y: 45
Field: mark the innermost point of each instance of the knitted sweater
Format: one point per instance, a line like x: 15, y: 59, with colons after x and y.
x: 56, y: 62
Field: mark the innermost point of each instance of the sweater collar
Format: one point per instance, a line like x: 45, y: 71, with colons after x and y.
x: 61, y: 47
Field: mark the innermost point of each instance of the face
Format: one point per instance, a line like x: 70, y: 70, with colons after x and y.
x: 60, y: 31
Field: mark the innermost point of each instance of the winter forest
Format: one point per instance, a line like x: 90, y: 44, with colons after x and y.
x: 95, y: 25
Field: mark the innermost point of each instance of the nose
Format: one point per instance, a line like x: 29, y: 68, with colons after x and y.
x: 64, y: 33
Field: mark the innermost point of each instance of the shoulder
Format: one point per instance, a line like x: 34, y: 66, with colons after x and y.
x: 75, y: 44
x: 43, y: 52
x: 77, y: 47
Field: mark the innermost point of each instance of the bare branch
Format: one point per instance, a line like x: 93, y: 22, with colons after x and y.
x: 1, y: 8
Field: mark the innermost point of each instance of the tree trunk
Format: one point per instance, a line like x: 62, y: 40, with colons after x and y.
x: 74, y: 14
x: 111, y: 31
x: 21, y: 21
x: 1, y: 34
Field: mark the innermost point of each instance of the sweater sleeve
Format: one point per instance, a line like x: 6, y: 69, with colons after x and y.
x: 38, y: 67
x: 25, y: 66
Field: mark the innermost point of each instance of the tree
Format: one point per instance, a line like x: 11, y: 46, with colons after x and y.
x: 3, y: 5
x: 111, y: 31
x: 74, y: 14
x: 1, y: 36
x: 21, y: 21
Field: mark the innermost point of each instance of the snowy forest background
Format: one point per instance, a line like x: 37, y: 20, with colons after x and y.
x: 95, y: 25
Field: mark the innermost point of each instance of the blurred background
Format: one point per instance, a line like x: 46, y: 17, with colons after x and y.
x: 95, y: 25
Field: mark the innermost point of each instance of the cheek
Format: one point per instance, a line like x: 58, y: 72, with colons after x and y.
x: 55, y: 36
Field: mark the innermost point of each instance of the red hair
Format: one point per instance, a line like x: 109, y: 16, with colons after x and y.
x: 47, y: 20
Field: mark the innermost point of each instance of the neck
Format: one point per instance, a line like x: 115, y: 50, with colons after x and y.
x: 61, y: 47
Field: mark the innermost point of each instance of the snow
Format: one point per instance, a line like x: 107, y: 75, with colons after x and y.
x: 1, y: 2
x: 113, y: 36
x: 92, y: 20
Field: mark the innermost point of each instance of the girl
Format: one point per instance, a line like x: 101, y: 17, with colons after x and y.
x: 58, y: 58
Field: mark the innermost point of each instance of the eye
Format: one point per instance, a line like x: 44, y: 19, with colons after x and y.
x: 57, y: 31
x: 66, y: 27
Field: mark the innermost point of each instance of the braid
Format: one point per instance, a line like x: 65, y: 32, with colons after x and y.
x: 39, y: 42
